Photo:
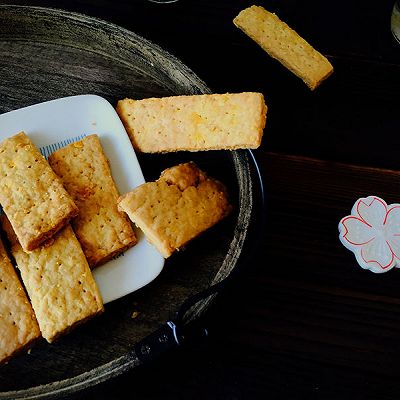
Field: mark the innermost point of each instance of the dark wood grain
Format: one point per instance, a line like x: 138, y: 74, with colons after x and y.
x: 302, y: 320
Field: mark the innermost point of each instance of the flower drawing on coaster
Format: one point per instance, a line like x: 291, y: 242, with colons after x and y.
x: 372, y: 233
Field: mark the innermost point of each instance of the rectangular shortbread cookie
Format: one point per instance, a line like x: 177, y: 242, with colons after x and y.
x: 101, y: 229
x: 193, y: 123
x: 284, y: 44
x: 176, y: 208
x: 18, y: 325
x: 58, y: 280
x: 32, y: 196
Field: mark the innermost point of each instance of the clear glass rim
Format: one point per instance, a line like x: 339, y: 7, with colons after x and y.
x: 162, y: 1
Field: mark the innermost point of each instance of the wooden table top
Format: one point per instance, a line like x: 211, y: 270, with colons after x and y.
x: 304, y: 321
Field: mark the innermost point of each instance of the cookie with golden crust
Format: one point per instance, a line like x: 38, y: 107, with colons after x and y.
x: 194, y: 123
x: 31, y: 194
x: 284, y: 44
x: 183, y: 203
x: 58, y: 281
x: 18, y: 326
x: 102, y: 230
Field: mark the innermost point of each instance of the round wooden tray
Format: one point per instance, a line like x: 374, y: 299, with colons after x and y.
x: 47, y: 54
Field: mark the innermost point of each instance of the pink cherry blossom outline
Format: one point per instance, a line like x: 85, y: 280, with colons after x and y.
x: 361, y: 219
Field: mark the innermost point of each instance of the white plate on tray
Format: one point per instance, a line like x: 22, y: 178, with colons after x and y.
x: 56, y: 123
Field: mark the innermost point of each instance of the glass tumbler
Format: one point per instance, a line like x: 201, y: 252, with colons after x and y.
x: 163, y: 1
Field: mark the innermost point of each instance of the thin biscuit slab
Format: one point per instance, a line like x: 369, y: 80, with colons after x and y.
x: 59, y: 282
x: 102, y: 230
x: 18, y: 325
x: 194, y: 123
x: 284, y: 44
x: 176, y: 208
x: 32, y: 196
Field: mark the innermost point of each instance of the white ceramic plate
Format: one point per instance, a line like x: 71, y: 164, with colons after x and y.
x: 54, y: 124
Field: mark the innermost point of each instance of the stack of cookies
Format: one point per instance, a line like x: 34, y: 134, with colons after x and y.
x: 58, y: 227
x: 63, y: 217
